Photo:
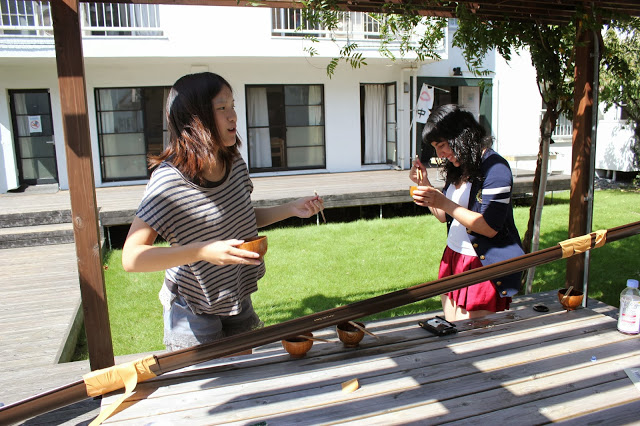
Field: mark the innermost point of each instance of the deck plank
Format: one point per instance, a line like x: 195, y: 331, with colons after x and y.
x: 39, y: 286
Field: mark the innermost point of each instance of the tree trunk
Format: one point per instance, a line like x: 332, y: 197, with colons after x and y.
x: 532, y: 235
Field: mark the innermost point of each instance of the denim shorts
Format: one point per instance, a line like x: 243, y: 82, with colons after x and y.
x: 184, y: 329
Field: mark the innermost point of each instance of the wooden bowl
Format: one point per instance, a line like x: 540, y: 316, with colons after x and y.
x: 297, y: 347
x: 255, y: 244
x: 573, y: 301
x: 349, y: 335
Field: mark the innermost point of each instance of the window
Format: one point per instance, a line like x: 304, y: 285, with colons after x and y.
x: 130, y: 126
x: 378, y: 123
x: 285, y: 127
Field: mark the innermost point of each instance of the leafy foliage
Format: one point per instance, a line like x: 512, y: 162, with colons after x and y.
x: 401, y: 28
x: 620, y: 73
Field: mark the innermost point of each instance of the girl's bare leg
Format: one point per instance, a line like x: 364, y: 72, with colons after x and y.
x: 453, y: 312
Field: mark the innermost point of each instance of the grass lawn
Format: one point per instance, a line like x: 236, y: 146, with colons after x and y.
x: 314, y: 268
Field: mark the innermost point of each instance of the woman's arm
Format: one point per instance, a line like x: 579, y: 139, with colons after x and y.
x: 303, y: 207
x: 471, y: 220
x: 140, y: 255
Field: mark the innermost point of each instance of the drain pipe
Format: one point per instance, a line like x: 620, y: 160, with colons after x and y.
x: 594, y: 133
x: 404, y: 147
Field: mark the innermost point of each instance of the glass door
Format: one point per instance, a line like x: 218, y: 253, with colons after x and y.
x: 33, y: 136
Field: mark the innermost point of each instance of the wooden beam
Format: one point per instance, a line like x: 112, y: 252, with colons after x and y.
x: 84, y: 211
x: 581, y: 151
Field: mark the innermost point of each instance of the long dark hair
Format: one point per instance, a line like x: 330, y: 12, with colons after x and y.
x: 194, y: 139
x: 466, y: 137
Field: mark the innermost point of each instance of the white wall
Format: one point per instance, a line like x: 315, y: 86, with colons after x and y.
x: 31, y: 74
x: 614, y: 142
x: 8, y: 166
x: 517, y: 106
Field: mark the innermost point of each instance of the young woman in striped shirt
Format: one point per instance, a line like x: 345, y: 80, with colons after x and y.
x: 198, y: 199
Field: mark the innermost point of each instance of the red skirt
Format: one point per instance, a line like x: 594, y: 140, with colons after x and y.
x: 476, y: 297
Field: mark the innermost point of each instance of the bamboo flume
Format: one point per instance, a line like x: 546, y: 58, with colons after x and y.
x: 77, y: 391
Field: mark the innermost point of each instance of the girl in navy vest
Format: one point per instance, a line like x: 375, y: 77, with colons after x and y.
x: 476, y: 205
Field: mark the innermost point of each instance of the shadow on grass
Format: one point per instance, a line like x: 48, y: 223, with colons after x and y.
x: 319, y: 302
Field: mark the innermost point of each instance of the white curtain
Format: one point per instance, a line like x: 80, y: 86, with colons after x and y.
x: 315, y: 109
x: 107, y: 118
x: 375, y: 120
x: 259, y: 138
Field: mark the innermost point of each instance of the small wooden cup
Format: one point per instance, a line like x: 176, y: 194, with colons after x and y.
x: 297, y: 347
x: 411, y: 189
x: 572, y: 301
x: 255, y: 244
x: 349, y: 335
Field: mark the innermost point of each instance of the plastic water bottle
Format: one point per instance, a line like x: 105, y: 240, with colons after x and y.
x: 629, y: 318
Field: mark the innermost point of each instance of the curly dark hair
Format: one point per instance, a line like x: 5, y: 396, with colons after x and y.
x: 194, y: 138
x: 466, y: 137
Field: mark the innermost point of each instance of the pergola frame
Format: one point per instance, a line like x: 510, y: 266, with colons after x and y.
x: 84, y: 212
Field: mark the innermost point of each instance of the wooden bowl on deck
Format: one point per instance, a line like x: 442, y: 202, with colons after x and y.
x: 349, y: 335
x: 255, y: 244
x: 572, y: 301
x: 297, y: 347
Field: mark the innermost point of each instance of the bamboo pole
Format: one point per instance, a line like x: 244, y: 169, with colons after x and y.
x: 171, y: 361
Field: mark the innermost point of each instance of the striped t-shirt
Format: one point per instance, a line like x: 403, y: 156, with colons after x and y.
x: 183, y: 212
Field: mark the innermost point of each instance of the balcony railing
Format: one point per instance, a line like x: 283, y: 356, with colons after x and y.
x: 563, y: 129
x: 33, y: 18
x: 353, y: 26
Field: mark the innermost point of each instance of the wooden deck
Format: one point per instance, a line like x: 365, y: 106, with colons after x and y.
x: 117, y: 205
x: 39, y: 290
x: 520, y: 367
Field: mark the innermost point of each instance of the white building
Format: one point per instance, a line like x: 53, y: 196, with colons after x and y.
x: 292, y: 118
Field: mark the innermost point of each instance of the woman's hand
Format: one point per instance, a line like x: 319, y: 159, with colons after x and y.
x: 417, y: 171
x: 302, y: 207
x: 428, y: 196
x: 307, y: 207
x: 227, y: 253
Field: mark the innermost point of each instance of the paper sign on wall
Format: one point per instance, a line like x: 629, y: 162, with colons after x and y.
x: 425, y: 103
x: 35, y: 124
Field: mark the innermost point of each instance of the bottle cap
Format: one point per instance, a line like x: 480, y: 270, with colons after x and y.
x: 632, y: 283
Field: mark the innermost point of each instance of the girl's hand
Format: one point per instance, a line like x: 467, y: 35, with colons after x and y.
x: 415, y: 176
x: 428, y: 196
x: 227, y: 253
x: 307, y: 207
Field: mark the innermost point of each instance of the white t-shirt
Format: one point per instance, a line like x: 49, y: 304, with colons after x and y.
x: 458, y: 239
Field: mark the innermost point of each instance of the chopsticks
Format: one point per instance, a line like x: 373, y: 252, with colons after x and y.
x: 316, y: 339
x: 356, y: 325
x: 419, y: 173
x: 321, y: 212
x: 566, y: 294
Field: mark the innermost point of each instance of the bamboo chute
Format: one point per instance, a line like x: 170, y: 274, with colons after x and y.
x: 171, y: 361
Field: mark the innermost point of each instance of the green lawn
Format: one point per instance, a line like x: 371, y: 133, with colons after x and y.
x: 314, y: 268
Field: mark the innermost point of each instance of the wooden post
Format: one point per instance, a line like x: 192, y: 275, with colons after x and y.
x: 84, y: 212
x: 581, y: 152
